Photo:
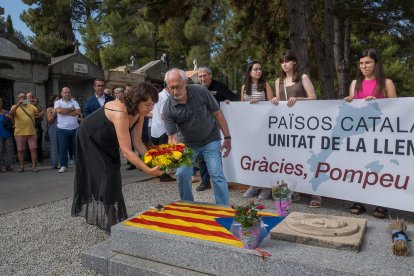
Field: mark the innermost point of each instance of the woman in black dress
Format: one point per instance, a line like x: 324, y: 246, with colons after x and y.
x: 98, y: 186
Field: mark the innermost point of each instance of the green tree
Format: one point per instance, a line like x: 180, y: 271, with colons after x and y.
x: 86, y: 15
x: 2, y: 20
x: 147, y: 29
x: 387, y: 26
x: 327, y: 35
x: 51, y: 23
x: 9, y: 25
x: 252, y: 30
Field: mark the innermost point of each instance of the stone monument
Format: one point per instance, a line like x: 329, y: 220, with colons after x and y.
x: 321, y: 230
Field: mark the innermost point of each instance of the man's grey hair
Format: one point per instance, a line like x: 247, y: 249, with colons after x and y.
x: 205, y: 69
x: 181, y: 72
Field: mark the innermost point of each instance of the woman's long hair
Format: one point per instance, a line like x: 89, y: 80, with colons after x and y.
x: 261, y: 82
x: 139, y: 93
x: 378, y: 71
x: 287, y: 56
x: 51, y: 102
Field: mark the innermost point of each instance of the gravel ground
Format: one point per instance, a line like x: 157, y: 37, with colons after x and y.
x: 46, y: 240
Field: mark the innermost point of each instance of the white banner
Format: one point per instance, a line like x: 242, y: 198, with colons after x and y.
x: 360, y: 151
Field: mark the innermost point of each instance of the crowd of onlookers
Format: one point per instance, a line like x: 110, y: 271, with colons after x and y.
x: 21, y: 129
x: 22, y: 122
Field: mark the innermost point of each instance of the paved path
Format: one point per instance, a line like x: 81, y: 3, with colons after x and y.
x: 23, y: 190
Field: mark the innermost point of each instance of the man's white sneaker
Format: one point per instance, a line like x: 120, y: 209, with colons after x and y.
x: 62, y: 169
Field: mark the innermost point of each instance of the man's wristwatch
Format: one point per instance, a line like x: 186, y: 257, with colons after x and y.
x: 227, y: 137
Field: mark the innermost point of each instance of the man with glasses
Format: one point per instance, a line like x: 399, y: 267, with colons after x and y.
x: 192, y: 116
x: 98, y: 99
x: 24, y: 114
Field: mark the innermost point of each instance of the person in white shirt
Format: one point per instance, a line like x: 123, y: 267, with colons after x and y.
x: 67, y: 110
x: 158, y: 132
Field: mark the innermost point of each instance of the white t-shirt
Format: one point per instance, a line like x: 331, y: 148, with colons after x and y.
x: 158, y: 126
x: 66, y: 121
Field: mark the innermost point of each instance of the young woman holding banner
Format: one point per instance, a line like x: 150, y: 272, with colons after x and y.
x: 255, y: 88
x: 370, y: 84
x: 293, y: 86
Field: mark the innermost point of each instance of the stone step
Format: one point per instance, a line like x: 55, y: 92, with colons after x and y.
x: 125, y: 265
x: 106, y: 262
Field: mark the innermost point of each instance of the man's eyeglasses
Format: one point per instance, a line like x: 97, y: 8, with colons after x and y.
x: 172, y: 88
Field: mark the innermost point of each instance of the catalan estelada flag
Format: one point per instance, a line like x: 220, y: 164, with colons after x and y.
x: 198, y: 221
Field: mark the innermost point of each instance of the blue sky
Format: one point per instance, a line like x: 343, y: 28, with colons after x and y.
x: 15, y: 8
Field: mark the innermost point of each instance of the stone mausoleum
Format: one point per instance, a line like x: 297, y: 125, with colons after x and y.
x: 22, y: 69
x: 76, y: 72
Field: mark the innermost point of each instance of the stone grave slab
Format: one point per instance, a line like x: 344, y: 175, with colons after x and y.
x: 321, y: 230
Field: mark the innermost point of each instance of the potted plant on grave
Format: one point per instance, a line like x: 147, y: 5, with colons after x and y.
x: 250, y: 223
x: 283, y: 197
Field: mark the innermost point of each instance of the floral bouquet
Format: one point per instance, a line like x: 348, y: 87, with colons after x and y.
x: 168, y: 156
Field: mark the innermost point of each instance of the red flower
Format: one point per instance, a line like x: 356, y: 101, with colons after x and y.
x: 178, y: 148
x: 260, y: 207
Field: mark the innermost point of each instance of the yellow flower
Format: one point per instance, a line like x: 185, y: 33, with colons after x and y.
x: 162, y: 160
x: 147, y: 158
x: 177, y: 155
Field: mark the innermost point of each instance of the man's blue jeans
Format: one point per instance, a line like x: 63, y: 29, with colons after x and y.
x: 212, y: 156
x: 205, y: 177
x: 66, y: 138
